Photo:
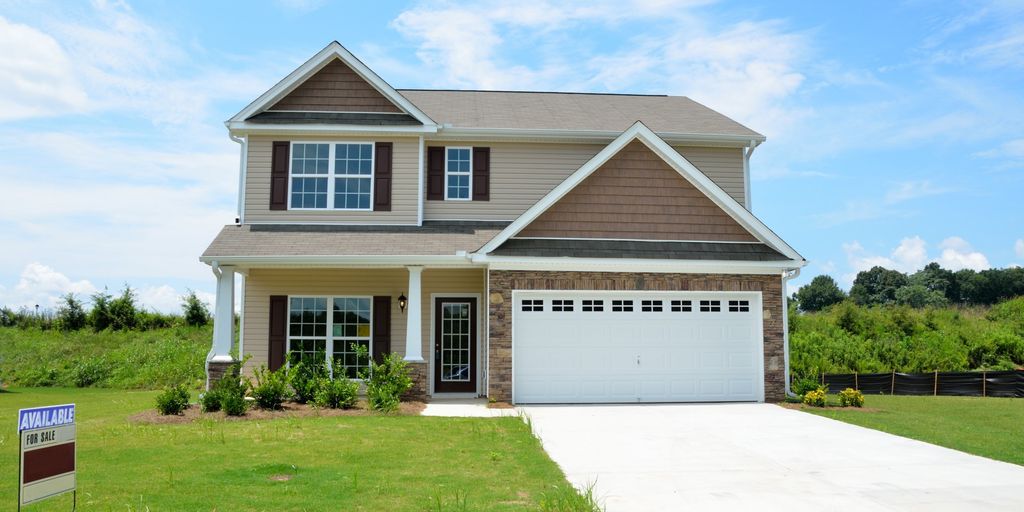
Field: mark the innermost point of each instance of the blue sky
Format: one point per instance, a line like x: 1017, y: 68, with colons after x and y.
x: 894, y: 132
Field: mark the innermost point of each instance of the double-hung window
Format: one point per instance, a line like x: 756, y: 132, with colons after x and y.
x: 458, y: 173
x: 316, y: 333
x: 331, y: 175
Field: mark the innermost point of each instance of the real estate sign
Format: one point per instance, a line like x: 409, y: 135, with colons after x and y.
x: 47, y: 452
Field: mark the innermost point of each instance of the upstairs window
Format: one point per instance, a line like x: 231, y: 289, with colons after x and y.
x: 331, y: 176
x: 458, y: 173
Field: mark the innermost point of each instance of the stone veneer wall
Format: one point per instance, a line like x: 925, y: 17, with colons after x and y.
x: 419, y: 374
x: 502, y: 282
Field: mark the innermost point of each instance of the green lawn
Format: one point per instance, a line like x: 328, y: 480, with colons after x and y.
x: 990, y: 427
x: 339, y: 463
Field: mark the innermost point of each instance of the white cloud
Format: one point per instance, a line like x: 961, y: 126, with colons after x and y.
x: 167, y: 299
x: 908, y: 190
x: 957, y: 254
x: 1018, y: 248
x: 42, y: 285
x: 39, y: 79
x: 911, y: 255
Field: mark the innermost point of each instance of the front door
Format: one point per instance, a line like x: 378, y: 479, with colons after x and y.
x: 455, y: 345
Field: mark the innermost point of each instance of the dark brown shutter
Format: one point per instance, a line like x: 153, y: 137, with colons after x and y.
x: 278, y: 331
x: 382, y: 177
x: 481, y: 174
x: 381, y: 327
x: 279, y: 175
x: 435, y: 174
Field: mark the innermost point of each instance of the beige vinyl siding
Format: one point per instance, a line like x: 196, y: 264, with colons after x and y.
x: 404, y: 186
x: 723, y: 165
x: 262, y: 283
x: 522, y: 173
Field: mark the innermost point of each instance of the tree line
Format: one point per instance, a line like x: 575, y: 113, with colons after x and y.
x: 932, y: 286
x: 107, y: 312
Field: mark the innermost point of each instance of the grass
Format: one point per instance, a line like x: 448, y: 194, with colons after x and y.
x: 989, y: 427
x: 338, y: 463
x: 123, y: 359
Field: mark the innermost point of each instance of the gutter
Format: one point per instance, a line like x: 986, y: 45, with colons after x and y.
x: 448, y: 131
x: 243, y: 162
x: 786, y: 276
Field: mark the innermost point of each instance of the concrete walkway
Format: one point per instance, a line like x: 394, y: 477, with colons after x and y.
x: 464, y: 408
x: 762, y: 457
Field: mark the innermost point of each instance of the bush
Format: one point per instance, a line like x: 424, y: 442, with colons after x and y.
x: 91, y: 371
x: 233, y: 405
x: 70, y: 315
x: 815, y: 398
x: 270, y: 389
x: 123, y: 310
x: 385, y: 382
x: 211, y: 400
x: 340, y: 393
x: 173, y: 400
x: 851, y: 397
x: 196, y: 312
x: 802, y: 386
x: 99, y: 316
x: 306, y: 377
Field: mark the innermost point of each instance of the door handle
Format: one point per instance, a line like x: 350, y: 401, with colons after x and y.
x: 638, y: 360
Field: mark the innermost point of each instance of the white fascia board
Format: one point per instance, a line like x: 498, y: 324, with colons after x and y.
x: 316, y: 63
x: 685, y: 169
x: 457, y: 133
x: 342, y: 261
x: 246, y: 128
x: 637, y: 265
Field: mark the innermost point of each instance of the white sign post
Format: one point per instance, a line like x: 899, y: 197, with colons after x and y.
x: 48, y: 454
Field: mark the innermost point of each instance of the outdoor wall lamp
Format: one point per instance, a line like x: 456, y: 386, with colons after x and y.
x: 402, y: 302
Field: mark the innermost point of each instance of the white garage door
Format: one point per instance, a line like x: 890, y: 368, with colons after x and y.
x: 593, y: 347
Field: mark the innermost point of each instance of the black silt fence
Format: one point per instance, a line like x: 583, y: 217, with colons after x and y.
x: 1001, y: 383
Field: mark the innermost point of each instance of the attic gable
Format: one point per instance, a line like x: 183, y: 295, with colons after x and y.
x: 336, y: 88
x: 637, y: 195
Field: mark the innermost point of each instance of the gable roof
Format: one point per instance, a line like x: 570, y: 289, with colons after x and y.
x: 638, y: 131
x: 611, y: 113
x: 332, y: 51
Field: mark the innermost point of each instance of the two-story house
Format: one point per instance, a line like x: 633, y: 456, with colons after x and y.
x: 531, y: 247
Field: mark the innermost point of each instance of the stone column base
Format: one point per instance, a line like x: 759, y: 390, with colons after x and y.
x: 216, y: 371
x: 420, y: 379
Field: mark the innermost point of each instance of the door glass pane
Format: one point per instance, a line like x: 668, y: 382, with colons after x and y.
x: 455, y: 342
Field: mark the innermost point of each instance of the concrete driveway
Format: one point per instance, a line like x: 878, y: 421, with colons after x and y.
x: 762, y: 457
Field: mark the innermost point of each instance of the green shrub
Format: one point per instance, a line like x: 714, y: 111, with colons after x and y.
x: 211, y: 400
x: 306, y: 377
x: 385, y: 382
x: 70, y: 315
x: 195, y: 311
x: 89, y: 372
x: 270, y: 389
x: 123, y: 310
x: 173, y: 400
x: 802, y: 386
x: 233, y: 405
x: 815, y: 398
x: 851, y: 397
x: 340, y: 393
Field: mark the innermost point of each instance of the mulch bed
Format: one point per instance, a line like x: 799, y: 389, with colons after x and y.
x: 798, y: 407
x: 288, y: 410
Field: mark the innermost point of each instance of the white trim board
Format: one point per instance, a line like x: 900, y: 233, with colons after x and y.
x: 316, y: 63
x: 641, y: 132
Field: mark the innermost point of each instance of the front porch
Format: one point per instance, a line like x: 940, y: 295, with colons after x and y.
x: 439, y: 327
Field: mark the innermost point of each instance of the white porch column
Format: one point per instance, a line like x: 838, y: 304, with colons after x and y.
x: 414, y: 315
x: 223, y: 315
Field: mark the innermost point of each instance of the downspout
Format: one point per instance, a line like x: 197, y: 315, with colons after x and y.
x: 419, y: 188
x: 242, y: 164
x: 786, y: 276
x: 747, y: 151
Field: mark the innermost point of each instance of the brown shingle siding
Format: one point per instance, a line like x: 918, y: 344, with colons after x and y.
x: 336, y: 88
x: 637, y: 195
